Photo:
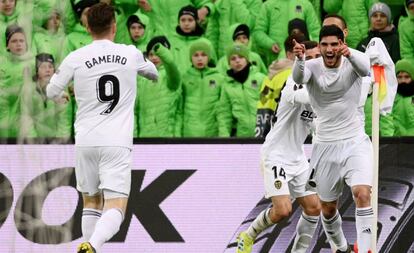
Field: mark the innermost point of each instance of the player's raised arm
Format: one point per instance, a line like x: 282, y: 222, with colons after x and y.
x: 358, y: 60
x: 299, y: 73
x: 146, y: 68
x: 59, y: 81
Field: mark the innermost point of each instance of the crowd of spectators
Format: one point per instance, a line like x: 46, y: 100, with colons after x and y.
x: 222, y: 63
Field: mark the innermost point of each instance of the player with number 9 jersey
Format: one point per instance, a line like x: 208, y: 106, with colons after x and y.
x: 104, y: 75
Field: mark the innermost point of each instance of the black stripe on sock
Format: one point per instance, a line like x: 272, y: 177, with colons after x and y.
x: 332, y: 220
x: 91, y: 213
x: 311, y: 220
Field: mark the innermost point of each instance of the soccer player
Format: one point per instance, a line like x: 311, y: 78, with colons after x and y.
x: 342, y: 152
x: 104, y: 75
x: 286, y: 169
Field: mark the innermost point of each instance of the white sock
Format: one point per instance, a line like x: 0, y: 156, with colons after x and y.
x: 106, y: 227
x: 334, y: 232
x: 261, y: 222
x: 304, y: 232
x: 364, y: 218
x: 89, y: 218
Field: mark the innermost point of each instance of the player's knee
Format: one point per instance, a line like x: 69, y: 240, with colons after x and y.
x: 281, y: 211
x: 311, y: 205
x: 362, y: 196
x: 328, y: 209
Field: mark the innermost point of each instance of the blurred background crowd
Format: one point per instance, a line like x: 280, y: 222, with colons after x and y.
x: 222, y: 63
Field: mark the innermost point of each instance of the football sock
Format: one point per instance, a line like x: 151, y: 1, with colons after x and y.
x: 261, y: 222
x: 89, y: 218
x: 334, y: 232
x: 106, y: 227
x: 304, y: 231
x: 364, y: 221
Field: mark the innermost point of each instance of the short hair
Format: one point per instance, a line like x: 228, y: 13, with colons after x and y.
x: 310, y: 44
x: 100, y: 17
x: 289, y: 41
x: 331, y: 30
x: 338, y: 17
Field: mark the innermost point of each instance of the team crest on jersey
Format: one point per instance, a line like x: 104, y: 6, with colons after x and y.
x: 278, y: 184
x: 212, y: 83
x: 254, y: 84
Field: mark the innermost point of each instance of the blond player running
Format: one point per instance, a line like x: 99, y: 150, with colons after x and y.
x: 104, y: 75
x: 286, y: 169
x: 342, y: 152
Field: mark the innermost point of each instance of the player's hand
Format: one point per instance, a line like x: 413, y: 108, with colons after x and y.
x: 343, y: 49
x: 298, y: 49
x: 202, y: 14
x: 275, y: 48
x: 63, y: 99
x: 144, y: 5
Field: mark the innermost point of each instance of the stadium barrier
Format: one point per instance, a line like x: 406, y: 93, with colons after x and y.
x: 187, y: 196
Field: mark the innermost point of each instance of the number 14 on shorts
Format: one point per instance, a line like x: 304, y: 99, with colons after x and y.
x: 279, y: 173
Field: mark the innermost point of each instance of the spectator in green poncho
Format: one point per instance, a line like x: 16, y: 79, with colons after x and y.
x: 406, y: 31
x: 403, y: 108
x: 241, y: 34
x: 49, y: 38
x: 43, y: 118
x: 240, y: 93
x: 202, y: 85
x: 187, y: 31
x: 159, y: 105
x: 139, y: 32
x: 16, y: 71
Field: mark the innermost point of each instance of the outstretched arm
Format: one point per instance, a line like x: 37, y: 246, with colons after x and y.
x: 299, y: 73
x: 59, y: 81
x: 358, y: 60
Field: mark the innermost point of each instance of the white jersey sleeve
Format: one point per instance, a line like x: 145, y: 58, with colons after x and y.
x: 61, y: 78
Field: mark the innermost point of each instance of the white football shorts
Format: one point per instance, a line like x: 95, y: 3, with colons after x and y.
x: 99, y: 168
x: 281, y: 179
x: 334, y: 164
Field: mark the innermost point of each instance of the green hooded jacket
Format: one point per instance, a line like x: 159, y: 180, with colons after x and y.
x: 403, y: 112
x: 254, y: 58
x: 47, y: 42
x: 238, y: 105
x: 159, y: 105
x: 164, y: 14
x: 76, y: 39
x: 142, y: 42
x: 180, y: 48
x: 45, y: 118
x: 15, y: 71
x: 229, y: 12
x: 201, y: 93
x: 406, y: 32
x: 355, y: 13
x: 386, y: 127
x: 272, y: 24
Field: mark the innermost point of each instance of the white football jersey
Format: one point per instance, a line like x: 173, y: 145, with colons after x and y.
x: 335, y: 95
x: 104, y: 75
x: 294, y: 119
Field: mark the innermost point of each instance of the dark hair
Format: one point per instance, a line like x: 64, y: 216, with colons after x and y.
x: 155, y: 40
x: 300, y: 24
x: 289, y: 41
x: 310, y: 44
x: 11, y: 30
x: 338, y: 17
x: 100, y: 18
x: 331, y: 30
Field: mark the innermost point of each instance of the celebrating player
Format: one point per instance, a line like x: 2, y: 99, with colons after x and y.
x: 342, y: 152
x: 285, y: 167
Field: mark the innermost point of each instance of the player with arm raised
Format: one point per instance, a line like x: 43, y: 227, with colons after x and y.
x: 285, y: 168
x: 342, y: 152
x: 104, y: 75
